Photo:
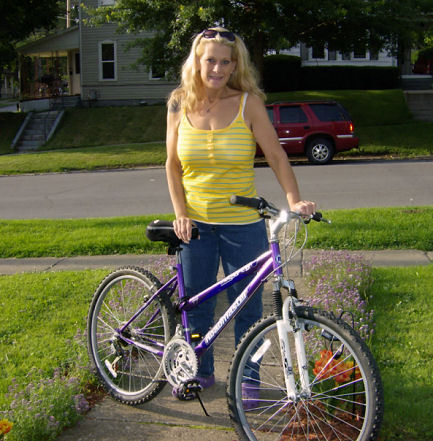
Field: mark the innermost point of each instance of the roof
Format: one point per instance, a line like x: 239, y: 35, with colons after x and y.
x: 61, y: 41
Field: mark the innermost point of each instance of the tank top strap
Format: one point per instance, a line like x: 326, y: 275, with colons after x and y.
x: 242, y: 105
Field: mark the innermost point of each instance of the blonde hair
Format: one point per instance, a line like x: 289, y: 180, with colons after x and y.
x: 191, y: 89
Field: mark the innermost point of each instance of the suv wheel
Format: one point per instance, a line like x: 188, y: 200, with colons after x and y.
x: 320, y: 151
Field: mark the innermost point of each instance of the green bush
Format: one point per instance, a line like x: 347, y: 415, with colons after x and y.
x: 349, y: 77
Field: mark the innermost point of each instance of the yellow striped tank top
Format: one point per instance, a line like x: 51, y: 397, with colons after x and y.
x: 217, y: 164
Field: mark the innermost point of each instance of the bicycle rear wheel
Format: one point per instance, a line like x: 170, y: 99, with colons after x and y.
x: 346, y: 401
x: 130, y: 374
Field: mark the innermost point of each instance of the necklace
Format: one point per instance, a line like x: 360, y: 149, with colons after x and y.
x: 211, y: 105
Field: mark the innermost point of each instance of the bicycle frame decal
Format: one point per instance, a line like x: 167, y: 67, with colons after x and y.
x: 265, y: 269
x: 228, y: 281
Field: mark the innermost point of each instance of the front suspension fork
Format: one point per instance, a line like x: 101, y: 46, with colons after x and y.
x: 289, y: 324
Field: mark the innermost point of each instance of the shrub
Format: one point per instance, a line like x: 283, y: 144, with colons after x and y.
x: 338, y: 282
x: 42, y: 409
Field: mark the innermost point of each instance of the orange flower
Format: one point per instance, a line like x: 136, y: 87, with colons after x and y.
x: 323, y: 367
x: 5, y: 427
x: 327, y: 367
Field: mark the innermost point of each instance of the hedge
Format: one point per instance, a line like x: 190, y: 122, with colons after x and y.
x: 283, y: 73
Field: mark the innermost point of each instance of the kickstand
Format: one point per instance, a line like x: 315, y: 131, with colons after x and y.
x: 197, y: 395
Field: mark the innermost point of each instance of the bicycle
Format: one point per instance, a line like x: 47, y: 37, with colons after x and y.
x: 331, y: 391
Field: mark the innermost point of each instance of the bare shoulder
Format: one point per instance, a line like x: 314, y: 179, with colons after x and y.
x: 254, y: 109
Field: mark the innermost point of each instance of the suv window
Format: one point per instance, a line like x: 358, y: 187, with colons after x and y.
x: 292, y: 114
x: 329, y: 112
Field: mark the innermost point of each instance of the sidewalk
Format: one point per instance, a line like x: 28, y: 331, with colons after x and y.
x: 13, y: 266
x: 165, y: 417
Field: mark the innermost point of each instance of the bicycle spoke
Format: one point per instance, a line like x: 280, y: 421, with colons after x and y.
x: 130, y: 373
x: 337, y: 405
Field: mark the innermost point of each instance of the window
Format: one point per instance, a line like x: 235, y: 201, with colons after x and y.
x: 292, y: 114
x: 345, y: 56
x: 332, y: 55
x: 106, y: 2
x: 374, y: 54
x: 156, y: 73
x: 359, y: 51
x: 107, y: 61
x: 318, y: 51
x: 329, y: 112
x: 77, y: 63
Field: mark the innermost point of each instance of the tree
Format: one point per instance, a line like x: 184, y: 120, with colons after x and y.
x: 266, y: 24
x: 19, y: 19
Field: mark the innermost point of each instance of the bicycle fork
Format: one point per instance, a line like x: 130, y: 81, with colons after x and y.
x: 287, y: 325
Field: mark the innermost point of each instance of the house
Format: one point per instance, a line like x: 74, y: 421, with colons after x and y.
x: 87, y: 65
x: 92, y: 66
x: 321, y: 56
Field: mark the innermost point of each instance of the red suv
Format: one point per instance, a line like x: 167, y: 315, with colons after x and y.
x: 318, y: 129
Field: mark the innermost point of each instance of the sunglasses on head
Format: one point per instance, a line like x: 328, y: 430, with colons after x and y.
x: 212, y: 33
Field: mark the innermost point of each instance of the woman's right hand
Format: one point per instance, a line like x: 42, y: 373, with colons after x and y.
x: 183, y: 228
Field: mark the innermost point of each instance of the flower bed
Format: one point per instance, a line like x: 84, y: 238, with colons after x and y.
x: 338, y: 282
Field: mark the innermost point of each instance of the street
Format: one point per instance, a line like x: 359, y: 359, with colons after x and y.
x: 144, y: 191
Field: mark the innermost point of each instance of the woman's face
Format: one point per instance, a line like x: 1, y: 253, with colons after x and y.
x: 216, y: 65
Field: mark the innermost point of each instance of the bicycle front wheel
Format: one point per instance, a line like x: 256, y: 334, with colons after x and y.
x: 130, y: 373
x: 346, y: 399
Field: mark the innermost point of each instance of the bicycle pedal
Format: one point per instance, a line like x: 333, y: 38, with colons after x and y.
x: 188, y: 391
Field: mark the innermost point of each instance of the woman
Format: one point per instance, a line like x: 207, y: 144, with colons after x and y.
x: 215, y: 117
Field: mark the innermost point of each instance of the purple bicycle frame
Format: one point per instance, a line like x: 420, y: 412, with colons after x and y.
x: 265, y: 264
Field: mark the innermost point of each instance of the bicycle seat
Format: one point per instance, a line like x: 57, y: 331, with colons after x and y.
x: 163, y: 231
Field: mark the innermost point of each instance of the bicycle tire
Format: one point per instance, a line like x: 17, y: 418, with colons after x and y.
x: 346, y: 400
x: 130, y: 374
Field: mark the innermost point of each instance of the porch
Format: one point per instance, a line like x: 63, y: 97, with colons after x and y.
x: 49, y: 69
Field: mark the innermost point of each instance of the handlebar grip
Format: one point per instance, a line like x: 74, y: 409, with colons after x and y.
x: 317, y: 216
x: 255, y: 203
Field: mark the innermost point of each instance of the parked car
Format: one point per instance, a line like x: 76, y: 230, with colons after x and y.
x: 317, y: 129
x: 424, y: 65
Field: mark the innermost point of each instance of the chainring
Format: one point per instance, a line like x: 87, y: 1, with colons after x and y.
x: 179, y: 361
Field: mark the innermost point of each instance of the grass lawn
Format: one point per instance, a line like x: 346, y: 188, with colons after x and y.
x: 406, y: 227
x: 403, y: 304
x: 366, y: 107
x: 118, y: 137
x: 42, y: 314
x: 85, y: 158
x: 9, y: 125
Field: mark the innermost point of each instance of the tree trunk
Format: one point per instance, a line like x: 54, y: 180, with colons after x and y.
x: 256, y: 48
x: 404, y: 61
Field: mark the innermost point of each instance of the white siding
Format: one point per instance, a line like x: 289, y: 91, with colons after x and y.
x: 130, y: 83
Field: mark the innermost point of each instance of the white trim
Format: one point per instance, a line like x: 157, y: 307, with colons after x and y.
x: 100, y: 62
x: 291, y: 139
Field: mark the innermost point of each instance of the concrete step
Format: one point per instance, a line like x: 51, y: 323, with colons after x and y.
x: 420, y: 104
x: 37, y: 130
x: 27, y: 137
x: 29, y: 145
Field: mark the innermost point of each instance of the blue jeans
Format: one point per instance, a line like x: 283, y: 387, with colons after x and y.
x: 234, y: 246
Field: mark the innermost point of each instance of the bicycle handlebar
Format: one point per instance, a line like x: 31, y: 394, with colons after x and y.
x: 262, y: 206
